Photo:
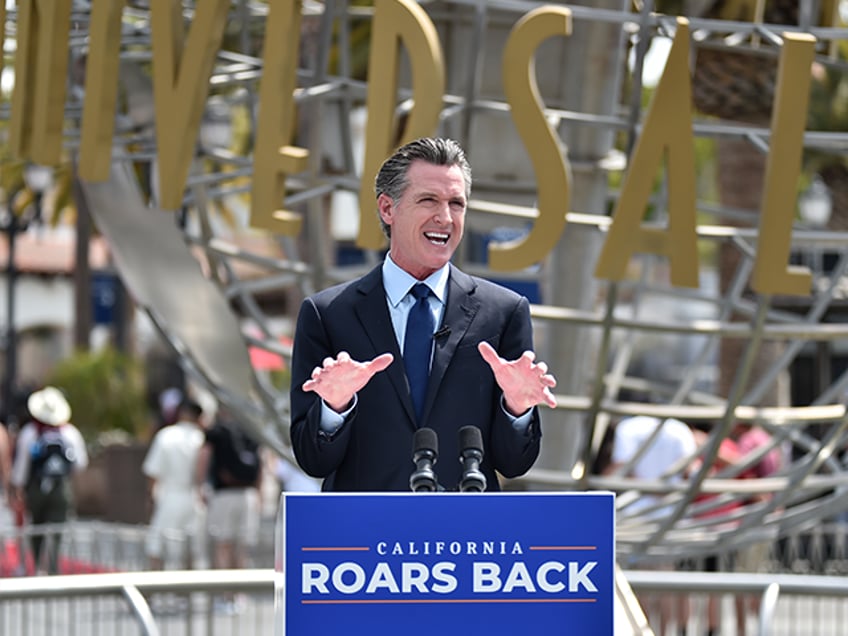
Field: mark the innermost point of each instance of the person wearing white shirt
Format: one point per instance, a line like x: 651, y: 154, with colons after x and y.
x: 170, y: 466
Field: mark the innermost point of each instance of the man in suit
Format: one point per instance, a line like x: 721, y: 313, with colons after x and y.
x: 353, y: 413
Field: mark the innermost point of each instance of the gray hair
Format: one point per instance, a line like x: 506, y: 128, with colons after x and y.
x: 392, y: 177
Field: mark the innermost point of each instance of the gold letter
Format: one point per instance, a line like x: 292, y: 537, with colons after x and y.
x: 548, y: 156
x: 101, y: 90
x: 789, y: 115
x: 2, y: 34
x: 396, y: 21
x: 181, y: 85
x: 274, y: 157
x: 668, y: 128
x: 41, y: 66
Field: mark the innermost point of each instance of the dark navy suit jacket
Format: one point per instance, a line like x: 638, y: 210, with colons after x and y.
x: 372, y: 451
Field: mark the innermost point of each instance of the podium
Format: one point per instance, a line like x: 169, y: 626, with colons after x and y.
x: 417, y: 564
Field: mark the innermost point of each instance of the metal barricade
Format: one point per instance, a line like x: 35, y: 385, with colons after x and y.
x: 91, y: 546
x: 145, y: 603
x: 800, y: 586
x: 790, y: 604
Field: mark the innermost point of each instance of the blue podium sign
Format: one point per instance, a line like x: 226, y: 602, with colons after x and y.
x: 446, y: 564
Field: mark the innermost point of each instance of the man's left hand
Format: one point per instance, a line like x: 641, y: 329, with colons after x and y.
x: 524, y: 382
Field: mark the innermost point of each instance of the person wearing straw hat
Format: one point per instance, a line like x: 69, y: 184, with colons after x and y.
x: 49, y: 449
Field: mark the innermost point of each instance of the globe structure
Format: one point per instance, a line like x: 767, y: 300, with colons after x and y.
x: 224, y: 293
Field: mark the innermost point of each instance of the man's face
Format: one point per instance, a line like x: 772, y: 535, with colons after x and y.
x: 427, y: 222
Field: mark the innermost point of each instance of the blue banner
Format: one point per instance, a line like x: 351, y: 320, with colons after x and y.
x: 447, y: 563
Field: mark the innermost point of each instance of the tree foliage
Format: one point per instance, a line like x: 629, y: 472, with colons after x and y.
x: 106, y: 392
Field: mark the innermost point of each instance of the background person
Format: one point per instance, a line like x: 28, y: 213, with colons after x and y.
x: 169, y: 404
x: 230, y: 464
x: 727, y: 456
x: 354, y: 408
x: 5, y: 477
x: 649, y: 448
x: 170, y: 466
x: 291, y: 478
x: 8, y: 550
x: 49, y: 451
x: 754, y: 441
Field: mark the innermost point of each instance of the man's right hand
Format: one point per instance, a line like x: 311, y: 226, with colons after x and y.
x: 338, y: 379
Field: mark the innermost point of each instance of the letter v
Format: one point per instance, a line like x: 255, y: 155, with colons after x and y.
x: 181, y: 86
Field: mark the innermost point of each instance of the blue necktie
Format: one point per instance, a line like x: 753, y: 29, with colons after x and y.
x: 417, y: 345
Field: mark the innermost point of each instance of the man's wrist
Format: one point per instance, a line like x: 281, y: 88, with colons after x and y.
x: 520, y: 423
x: 511, y: 410
x: 341, y: 408
x: 331, y: 419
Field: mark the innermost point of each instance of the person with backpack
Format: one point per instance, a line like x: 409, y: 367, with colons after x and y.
x: 49, y: 451
x: 230, y: 464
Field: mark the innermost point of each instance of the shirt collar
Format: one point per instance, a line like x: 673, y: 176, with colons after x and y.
x: 397, y: 282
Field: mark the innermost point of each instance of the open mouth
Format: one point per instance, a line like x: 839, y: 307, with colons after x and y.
x: 437, y: 238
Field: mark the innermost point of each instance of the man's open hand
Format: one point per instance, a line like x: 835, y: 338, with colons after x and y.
x: 338, y: 379
x: 524, y: 382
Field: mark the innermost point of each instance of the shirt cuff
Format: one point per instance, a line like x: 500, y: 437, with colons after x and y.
x: 520, y: 423
x: 331, y: 421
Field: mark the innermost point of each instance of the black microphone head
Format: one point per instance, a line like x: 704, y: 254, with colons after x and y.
x: 470, y: 438
x: 425, y: 439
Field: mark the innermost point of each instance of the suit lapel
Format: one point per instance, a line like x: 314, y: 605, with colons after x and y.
x: 460, y: 310
x: 373, y: 314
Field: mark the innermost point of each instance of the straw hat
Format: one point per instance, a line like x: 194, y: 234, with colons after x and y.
x: 49, y: 406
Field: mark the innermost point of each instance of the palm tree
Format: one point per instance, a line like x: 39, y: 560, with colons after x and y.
x: 828, y: 112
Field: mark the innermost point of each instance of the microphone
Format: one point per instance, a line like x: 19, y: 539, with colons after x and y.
x: 471, y: 455
x: 425, y: 452
x: 442, y: 332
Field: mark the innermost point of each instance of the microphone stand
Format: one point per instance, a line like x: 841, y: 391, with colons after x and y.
x: 425, y: 453
x: 471, y: 456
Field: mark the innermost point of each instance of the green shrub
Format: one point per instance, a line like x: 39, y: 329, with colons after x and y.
x: 106, y: 392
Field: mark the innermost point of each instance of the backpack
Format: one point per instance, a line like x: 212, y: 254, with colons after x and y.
x: 237, y: 463
x: 51, y: 456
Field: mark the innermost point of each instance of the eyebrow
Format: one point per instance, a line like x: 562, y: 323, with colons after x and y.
x: 459, y: 198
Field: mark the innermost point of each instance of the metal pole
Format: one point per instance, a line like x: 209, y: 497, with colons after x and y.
x: 82, y: 272
x: 768, y: 606
x: 11, y: 335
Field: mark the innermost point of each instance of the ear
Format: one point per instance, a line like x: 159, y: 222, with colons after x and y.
x: 386, y: 208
